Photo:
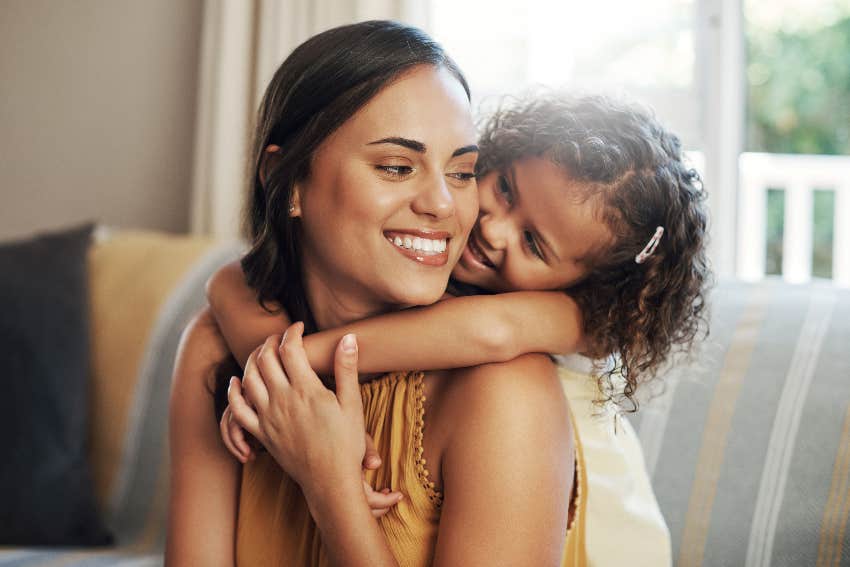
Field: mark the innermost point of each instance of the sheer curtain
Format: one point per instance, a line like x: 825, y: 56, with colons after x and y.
x: 243, y: 42
x: 684, y: 58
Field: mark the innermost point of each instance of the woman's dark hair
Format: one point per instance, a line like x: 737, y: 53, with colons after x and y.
x: 322, y: 84
x: 621, y: 154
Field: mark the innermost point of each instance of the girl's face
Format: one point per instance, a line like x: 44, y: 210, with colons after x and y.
x: 536, y: 229
x: 390, y: 200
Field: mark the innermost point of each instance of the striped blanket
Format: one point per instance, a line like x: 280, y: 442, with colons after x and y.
x: 748, y: 447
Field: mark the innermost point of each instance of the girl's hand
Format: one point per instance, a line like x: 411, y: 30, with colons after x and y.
x: 314, y: 435
x: 234, y: 439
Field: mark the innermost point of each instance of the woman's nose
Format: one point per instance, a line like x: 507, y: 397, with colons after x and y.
x: 435, y: 199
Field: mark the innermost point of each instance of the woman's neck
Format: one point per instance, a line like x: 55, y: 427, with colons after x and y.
x: 333, y: 307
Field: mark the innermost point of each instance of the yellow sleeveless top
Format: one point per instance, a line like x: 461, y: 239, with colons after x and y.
x: 274, y: 526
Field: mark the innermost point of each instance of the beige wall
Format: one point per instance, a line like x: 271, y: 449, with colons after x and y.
x: 97, y: 102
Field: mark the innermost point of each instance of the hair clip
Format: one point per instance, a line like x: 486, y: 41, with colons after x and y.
x: 650, y: 246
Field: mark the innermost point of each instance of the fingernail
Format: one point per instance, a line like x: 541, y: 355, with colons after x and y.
x: 349, y: 343
x: 400, y: 497
x: 230, y: 384
x: 373, y: 460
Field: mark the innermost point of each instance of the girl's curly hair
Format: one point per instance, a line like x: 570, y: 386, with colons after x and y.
x: 643, y: 313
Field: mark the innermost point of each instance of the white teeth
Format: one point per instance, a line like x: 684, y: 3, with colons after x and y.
x: 421, y: 244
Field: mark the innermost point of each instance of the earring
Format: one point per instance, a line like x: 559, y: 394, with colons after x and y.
x: 291, y: 209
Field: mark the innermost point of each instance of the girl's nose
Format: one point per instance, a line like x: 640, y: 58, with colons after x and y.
x: 435, y: 199
x: 493, y: 228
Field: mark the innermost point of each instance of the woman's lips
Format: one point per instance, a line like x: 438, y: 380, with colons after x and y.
x: 425, y: 247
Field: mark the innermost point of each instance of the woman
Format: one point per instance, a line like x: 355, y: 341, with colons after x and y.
x: 340, y: 110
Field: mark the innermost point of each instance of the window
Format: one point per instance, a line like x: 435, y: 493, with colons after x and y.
x: 748, y: 85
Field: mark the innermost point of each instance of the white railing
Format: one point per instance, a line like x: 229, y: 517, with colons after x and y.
x: 799, y: 176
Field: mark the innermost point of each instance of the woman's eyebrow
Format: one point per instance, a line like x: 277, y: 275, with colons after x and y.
x: 465, y: 150
x: 419, y: 147
x: 414, y: 145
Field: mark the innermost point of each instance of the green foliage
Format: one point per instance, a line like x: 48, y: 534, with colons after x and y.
x: 775, y: 228
x: 799, y: 91
x: 799, y: 103
x: 824, y: 232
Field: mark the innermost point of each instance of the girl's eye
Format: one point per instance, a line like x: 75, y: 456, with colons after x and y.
x: 395, y: 170
x: 504, y: 189
x: 532, y: 245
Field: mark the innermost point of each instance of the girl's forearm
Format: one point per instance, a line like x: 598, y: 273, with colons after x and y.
x: 454, y: 333
x: 244, y: 324
x: 457, y: 332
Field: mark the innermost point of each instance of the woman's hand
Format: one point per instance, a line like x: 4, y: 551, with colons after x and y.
x: 234, y: 439
x: 314, y: 435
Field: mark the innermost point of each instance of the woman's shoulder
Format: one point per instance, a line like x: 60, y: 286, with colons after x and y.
x: 202, y: 346
x: 512, y: 397
x: 510, y: 451
x: 204, y: 476
x: 202, y: 330
x: 525, y: 379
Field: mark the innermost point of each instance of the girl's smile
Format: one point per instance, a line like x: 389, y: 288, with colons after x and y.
x: 537, y: 228
x: 473, y: 256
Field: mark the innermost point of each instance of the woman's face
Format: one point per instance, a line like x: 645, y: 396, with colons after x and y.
x: 536, y: 229
x: 390, y: 200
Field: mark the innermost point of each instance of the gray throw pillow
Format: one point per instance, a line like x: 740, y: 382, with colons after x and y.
x: 46, y: 485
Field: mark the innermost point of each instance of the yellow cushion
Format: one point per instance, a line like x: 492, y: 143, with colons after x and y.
x: 131, y: 275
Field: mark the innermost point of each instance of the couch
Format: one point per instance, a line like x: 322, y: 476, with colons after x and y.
x: 144, y: 287
x: 748, y: 445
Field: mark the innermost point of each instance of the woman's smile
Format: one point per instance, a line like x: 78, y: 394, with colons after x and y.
x: 427, y: 247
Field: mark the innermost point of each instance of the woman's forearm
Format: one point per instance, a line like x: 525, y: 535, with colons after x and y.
x: 317, y: 439
x: 350, y: 534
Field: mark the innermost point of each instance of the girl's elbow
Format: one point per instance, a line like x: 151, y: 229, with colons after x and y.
x: 500, y: 343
